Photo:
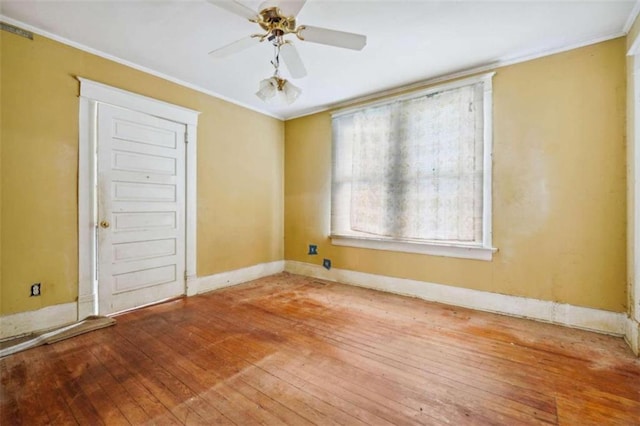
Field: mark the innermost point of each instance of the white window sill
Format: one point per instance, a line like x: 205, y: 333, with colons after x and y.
x: 436, y: 249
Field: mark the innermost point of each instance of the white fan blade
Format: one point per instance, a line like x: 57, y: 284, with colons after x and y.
x: 235, y: 47
x: 332, y: 37
x: 293, y: 61
x: 288, y: 7
x: 235, y: 8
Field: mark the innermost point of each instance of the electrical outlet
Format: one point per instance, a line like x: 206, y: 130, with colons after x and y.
x: 35, y: 289
x: 326, y: 263
x: 313, y: 249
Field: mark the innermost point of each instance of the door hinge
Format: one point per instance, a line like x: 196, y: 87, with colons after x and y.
x: 185, y: 275
x: 186, y: 136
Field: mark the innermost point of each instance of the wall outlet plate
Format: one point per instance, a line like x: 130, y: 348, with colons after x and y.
x: 326, y: 263
x: 313, y: 249
x: 35, y: 289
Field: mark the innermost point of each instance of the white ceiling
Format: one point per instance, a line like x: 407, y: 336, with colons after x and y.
x: 408, y: 41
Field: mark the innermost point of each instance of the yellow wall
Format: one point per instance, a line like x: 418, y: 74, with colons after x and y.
x: 240, y: 171
x: 558, y: 196
x: 559, y: 192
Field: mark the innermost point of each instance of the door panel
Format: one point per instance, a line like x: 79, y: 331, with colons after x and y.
x: 141, y: 209
x: 143, y: 250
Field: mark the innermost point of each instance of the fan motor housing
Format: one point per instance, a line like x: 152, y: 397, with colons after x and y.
x: 274, y: 22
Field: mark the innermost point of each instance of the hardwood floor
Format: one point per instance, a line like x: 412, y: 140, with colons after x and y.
x: 293, y: 350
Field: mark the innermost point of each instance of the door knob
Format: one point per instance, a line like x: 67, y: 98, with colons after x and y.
x: 105, y: 224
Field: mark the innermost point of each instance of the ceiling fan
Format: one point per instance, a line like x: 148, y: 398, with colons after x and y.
x: 277, y: 18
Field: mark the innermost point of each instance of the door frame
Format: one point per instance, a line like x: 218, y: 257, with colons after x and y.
x: 93, y: 93
x: 633, y: 195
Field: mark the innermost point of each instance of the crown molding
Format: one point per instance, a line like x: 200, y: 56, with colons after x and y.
x: 632, y: 17
x: 133, y: 65
x: 342, y: 104
x: 455, y: 75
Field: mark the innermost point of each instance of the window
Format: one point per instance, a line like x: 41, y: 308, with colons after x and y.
x: 413, y: 173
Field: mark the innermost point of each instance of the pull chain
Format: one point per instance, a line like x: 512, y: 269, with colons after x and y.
x: 276, y: 56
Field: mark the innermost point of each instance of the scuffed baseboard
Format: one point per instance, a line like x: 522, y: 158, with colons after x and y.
x: 597, y: 320
x: 632, y: 335
x: 60, y: 333
x: 614, y: 323
x: 22, y: 323
x: 13, y: 325
x: 237, y: 276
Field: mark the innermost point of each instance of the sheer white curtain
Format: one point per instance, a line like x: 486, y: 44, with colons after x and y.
x: 411, y: 169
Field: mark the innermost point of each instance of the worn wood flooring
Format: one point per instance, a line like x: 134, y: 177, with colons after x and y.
x: 293, y: 350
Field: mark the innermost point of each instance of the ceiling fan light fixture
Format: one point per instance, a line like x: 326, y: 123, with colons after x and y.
x: 277, y: 23
x: 278, y: 91
x: 291, y: 92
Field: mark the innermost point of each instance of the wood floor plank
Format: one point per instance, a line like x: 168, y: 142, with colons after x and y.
x: 185, y: 404
x: 82, y: 367
x: 308, y: 356
x: 156, y: 412
x: 288, y: 349
x: 118, y: 394
x: 353, y: 359
x: 261, y: 381
x: 19, y: 408
x: 79, y: 403
x: 511, y: 355
x: 189, y: 368
x: 237, y: 362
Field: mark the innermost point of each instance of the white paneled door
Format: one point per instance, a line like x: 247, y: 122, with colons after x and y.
x: 141, y: 209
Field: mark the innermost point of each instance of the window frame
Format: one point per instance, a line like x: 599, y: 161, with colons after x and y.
x: 479, y: 251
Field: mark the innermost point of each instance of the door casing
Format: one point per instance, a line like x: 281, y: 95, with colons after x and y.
x: 93, y: 93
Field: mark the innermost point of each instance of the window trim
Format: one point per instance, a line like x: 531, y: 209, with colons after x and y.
x: 482, y: 251
x: 463, y: 251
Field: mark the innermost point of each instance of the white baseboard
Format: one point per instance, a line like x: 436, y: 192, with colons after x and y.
x: 13, y: 325
x: 237, y: 276
x: 632, y: 335
x: 601, y: 321
x: 87, y: 305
